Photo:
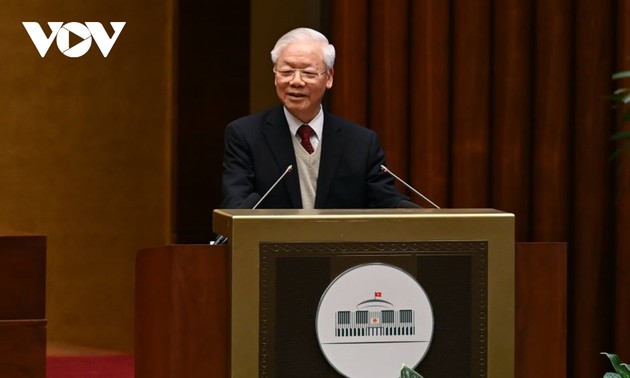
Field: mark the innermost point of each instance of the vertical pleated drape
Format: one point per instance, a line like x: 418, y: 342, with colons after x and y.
x: 488, y: 103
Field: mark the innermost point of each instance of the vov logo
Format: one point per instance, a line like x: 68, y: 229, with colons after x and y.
x: 61, y: 32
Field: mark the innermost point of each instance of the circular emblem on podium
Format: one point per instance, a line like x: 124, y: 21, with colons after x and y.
x: 373, y: 318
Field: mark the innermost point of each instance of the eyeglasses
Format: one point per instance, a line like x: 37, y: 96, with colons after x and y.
x: 305, y: 76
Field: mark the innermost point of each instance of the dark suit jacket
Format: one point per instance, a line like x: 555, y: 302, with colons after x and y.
x: 258, y: 149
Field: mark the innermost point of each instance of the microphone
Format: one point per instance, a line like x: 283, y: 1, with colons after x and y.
x: 286, y: 171
x: 251, y: 202
x: 386, y: 170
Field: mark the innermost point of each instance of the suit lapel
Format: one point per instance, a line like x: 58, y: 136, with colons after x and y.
x: 333, y: 143
x: 278, y: 137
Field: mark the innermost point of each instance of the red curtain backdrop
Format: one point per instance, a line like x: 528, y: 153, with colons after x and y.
x: 500, y: 104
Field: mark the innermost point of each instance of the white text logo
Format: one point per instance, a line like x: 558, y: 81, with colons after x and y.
x: 61, y: 31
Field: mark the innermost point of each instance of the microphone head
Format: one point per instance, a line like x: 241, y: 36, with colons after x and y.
x: 249, y: 201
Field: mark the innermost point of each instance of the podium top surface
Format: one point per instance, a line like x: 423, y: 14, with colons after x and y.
x: 354, y: 213
x: 231, y: 215
x: 224, y: 219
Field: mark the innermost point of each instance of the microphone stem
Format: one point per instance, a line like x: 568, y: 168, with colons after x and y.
x: 409, y: 186
x: 289, y: 169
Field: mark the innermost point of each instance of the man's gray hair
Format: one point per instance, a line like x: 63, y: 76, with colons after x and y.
x: 301, y: 34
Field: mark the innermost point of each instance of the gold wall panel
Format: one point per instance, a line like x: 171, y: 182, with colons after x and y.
x: 85, y: 157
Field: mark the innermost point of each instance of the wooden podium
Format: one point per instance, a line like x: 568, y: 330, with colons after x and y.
x: 22, y: 306
x: 216, y: 311
x: 182, y: 312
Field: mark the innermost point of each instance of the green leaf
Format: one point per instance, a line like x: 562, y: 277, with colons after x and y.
x: 614, y: 98
x: 621, y: 135
x: 407, y: 372
x: 612, y: 375
x: 621, y: 75
x: 621, y: 368
x: 621, y: 90
x: 614, y: 359
x: 626, y: 99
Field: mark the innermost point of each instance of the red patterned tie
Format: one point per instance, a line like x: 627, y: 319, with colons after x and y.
x: 305, y: 133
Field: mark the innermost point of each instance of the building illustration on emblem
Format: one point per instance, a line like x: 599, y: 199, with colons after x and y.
x: 391, y: 327
x: 375, y: 318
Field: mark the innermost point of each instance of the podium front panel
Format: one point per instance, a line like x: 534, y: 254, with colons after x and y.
x: 283, y: 260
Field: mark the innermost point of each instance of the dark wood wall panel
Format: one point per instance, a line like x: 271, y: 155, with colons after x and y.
x: 429, y: 76
x: 553, y: 82
x: 511, y: 109
x: 591, y: 261
x: 349, y: 34
x: 389, y: 62
x: 212, y: 90
x: 471, y: 103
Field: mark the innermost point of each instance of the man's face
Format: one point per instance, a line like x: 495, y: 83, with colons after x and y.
x: 301, y: 92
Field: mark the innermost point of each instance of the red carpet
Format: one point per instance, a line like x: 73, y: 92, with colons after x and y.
x: 103, y: 366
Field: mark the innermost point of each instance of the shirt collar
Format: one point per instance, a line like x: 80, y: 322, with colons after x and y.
x: 317, y: 123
